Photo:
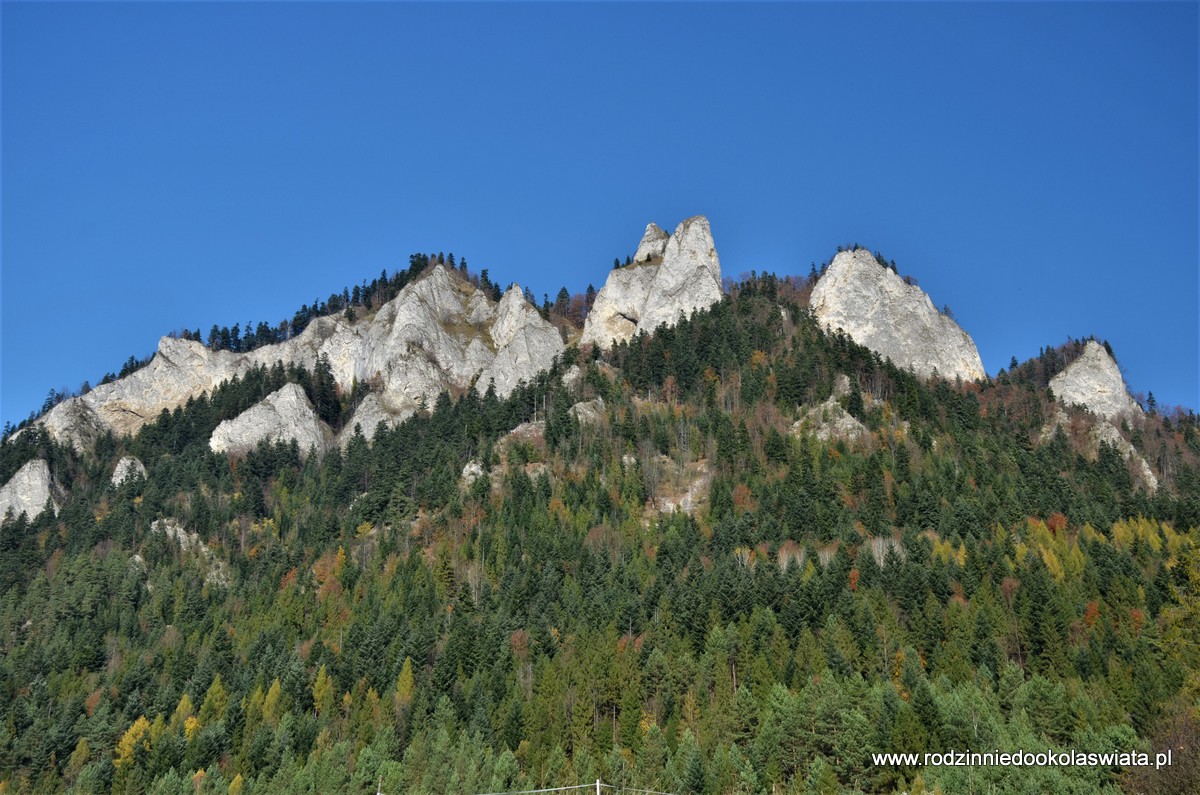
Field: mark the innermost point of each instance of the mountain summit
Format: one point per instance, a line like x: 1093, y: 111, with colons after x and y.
x: 671, y: 276
x: 879, y: 310
x: 1094, y: 382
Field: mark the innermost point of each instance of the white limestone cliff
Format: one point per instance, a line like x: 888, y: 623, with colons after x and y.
x: 27, y: 491
x: 525, y: 344
x: 590, y: 412
x: 642, y: 296
x: 1094, y: 382
x: 654, y: 243
x: 284, y: 415
x: 471, y: 472
x: 127, y: 468
x: 437, y: 334
x: 878, y: 310
x: 618, y: 306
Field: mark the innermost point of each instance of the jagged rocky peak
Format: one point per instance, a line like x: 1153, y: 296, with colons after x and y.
x: 439, y: 333
x: 671, y: 277
x: 880, y: 311
x: 525, y: 343
x: 513, y: 316
x: 27, y: 491
x: 282, y: 416
x: 654, y: 243
x: 1094, y: 381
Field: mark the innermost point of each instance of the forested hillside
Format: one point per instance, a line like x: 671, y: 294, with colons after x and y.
x: 946, y: 579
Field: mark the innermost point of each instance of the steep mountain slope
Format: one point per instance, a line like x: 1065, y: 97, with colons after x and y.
x: 742, y: 555
x: 876, y: 308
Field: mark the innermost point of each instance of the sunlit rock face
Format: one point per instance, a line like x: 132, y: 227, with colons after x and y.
x: 1094, y: 382
x: 654, y: 243
x: 439, y: 333
x: 671, y: 277
x: 285, y: 415
x: 879, y: 310
x: 367, y: 417
x: 27, y: 491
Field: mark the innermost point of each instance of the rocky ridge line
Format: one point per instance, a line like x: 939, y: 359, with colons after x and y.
x: 438, y: 333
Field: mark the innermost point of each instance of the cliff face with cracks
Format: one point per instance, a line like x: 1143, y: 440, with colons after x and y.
x: 670, y: 278
x: 878, y: 310
x: 438, y: 333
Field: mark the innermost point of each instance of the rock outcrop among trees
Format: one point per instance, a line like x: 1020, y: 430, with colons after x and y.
x: 879, y: 310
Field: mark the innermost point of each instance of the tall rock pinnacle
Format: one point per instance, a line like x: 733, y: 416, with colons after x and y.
x: 646, y: 294
x: 1094, y: 382
x: 880, y: 311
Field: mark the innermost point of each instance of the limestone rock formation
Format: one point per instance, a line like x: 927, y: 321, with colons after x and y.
x: 572, y: 376
x: 173, y: 530
x: 642, y: 296
x: 829, y: 421
x: 188, y: 541
x: 438, y: 333
x: 128, y: 467
x: 878, y: 310
x: 525, y: 344
x: 367, y: 416
x: 654, y: 243
x: 589, y: 412
x: 1100, y: 429
x: 618, y: 306
x: 1106, y: 432
x: 1094, y: 382
x: 27, y: 491
x: 283, y: 415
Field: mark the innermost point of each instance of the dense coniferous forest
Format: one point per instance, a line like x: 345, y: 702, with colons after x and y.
x: 377, y: 619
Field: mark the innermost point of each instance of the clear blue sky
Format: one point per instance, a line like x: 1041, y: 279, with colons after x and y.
x: 167, y: 166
